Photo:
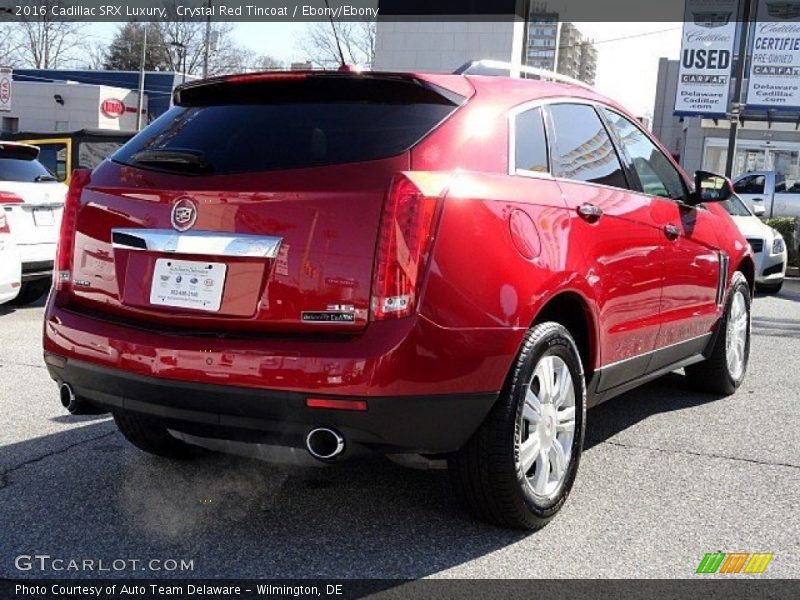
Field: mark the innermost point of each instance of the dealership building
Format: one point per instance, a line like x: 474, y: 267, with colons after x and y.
x: 53, y: 106
x: 442, y: 46
x: 701, y: 143
x: 87, y: 90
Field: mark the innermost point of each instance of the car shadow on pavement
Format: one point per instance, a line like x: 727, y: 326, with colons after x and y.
x: 666, y: 394
x: 9, y: 308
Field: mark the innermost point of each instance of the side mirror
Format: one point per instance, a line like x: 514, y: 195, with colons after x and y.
x: 710, y: 187
x: 758, y: 209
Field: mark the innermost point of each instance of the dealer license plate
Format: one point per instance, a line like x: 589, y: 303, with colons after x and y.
x: 188, y: 284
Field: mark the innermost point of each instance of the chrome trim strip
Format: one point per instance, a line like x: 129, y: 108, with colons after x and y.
x: 724, y: 265
x: 686, y: 341
x: 203, y: 243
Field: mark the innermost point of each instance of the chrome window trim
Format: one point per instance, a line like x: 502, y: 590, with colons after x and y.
x: 669, y: 160
x: 200, y: 243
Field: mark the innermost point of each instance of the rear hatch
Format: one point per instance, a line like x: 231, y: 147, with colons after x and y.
x: 32, y: 199
x: 254, y: 204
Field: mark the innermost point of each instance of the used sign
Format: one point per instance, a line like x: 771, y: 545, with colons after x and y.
x: 704, y: 76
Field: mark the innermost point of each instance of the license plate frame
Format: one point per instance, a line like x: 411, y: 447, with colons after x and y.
x: 188, y: 284
x: 44, y: 217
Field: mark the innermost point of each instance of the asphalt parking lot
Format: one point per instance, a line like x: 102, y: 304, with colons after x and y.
x: 667, y: 475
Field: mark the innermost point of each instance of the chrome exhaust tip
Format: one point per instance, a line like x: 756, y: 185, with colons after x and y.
x: 324, y: 444
x: 75, y: 404
x: 68, y: 398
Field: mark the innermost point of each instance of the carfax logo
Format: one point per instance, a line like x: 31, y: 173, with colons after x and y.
x: 734, y: 562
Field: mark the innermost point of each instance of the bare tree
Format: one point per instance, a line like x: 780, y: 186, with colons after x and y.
x: 8, y: 46
x: 265, y: 62
x: 44, y: 43
x: 357, y: 41
x: 94, y: 56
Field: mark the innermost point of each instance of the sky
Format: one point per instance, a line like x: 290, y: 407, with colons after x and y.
x: 627, y: 66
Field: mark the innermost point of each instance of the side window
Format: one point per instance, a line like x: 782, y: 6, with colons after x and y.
x: 789, y: 185
x: 530, y: 143
x: 752, y: 184
x: 656, y: 173
x: 581, y: 148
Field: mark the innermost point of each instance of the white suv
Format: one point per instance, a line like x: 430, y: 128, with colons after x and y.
x: 32, y: 200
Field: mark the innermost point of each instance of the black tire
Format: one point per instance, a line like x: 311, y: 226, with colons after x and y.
x: 713, y: 375
x: 31, y: 291
x: 486, y: 474
x: 152, y: 436
x: 770, y: 289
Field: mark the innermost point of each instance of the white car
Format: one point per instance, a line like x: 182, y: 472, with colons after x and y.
x: 10, y: 265
x: 769, y: 247
x: 32, y: 200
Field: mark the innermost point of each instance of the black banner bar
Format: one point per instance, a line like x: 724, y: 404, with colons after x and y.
x: 737, y: 587
x: 339, y: 10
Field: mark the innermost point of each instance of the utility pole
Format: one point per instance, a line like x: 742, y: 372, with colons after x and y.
x: 140, y: 104
x: 736, y: 104
x: 207, y: 47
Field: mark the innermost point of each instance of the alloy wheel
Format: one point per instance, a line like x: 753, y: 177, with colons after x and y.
x: 547, y: 427
x: 736, y: 335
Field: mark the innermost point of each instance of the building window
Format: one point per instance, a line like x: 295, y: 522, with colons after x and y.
x: 10, y: 124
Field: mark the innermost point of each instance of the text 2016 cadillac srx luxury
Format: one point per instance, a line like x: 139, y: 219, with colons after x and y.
x: 450, y: 265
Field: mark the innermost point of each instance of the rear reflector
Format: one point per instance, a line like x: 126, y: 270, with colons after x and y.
x: 69, y: 221
x: 336, y: 404
x: 4, y: 225
x: 9, y: 198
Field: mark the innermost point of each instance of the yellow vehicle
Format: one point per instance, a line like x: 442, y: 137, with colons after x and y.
x: 62, y: 152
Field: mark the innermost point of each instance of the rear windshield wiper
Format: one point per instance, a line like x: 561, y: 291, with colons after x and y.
x: 39, y: 178
x: 173, y: 159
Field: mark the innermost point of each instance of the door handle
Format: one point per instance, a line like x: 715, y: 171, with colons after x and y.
x: 590, y: 212
x: 671, y: 231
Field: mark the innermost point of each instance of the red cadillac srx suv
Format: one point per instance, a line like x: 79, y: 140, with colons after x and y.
x: 455, y: 265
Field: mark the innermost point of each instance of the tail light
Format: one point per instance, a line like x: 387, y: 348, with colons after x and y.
x: 9, y: 198
x: 69, y: 219
x: 403, y: 244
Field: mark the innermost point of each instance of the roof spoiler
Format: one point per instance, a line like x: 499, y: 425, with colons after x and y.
x: 281, y: 83
x: 18, y: 151
x: 507, y: 69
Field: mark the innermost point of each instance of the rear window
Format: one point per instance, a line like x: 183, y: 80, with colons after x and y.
x: 15, y: 169
x: 270, y: 127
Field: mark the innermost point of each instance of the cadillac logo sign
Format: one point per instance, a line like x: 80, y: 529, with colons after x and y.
x: 184, y: 214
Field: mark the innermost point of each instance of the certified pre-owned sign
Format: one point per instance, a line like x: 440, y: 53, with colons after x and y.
x: 775, y: 63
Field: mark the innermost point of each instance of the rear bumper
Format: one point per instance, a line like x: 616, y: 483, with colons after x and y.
x: 40, y: 269
x: 37, y: 253
x: 426, y: 424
